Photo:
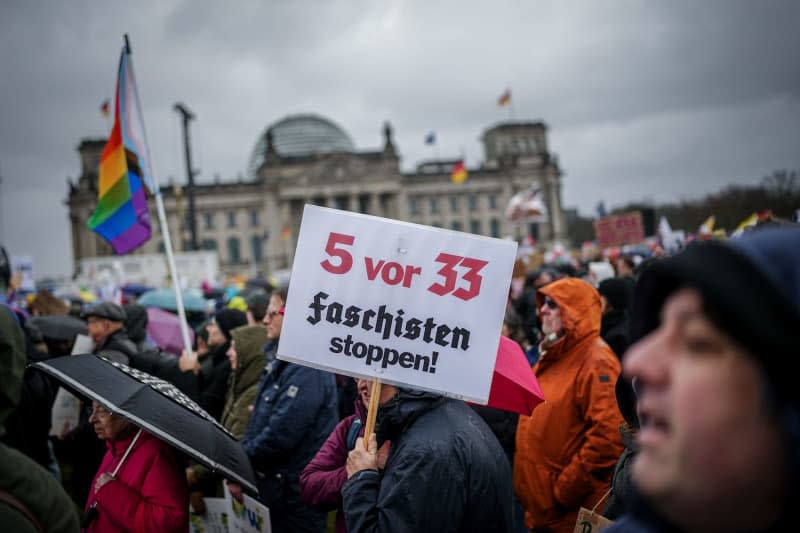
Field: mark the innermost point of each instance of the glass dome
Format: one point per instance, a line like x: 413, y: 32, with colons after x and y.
x: 300, y: 135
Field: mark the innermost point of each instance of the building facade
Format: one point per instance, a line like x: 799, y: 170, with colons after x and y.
x: 253, y: 223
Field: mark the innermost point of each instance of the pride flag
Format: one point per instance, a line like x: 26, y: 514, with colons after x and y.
x: 122, y: 217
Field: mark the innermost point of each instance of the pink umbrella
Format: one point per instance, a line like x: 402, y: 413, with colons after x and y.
x: 165, y: 330
x: 514, y: 386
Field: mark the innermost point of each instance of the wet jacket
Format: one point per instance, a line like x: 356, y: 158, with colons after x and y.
x: 445, y: 472
x: 26, y: 481
x: 322, y: 479
x: 149, y: 494
x: 118, y: 347
x: 295, y: 410
x: 243, y: 382
x: 567, y: 449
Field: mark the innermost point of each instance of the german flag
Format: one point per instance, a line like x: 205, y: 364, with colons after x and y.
x: 505, y: 98
x: 459, y: 173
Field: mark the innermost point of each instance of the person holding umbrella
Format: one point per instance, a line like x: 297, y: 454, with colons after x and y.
x: 140, y: 485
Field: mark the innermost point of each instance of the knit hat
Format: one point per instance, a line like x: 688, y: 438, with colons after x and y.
x: 751, y: 291
x: 228, y: 319
x: 618, y: 292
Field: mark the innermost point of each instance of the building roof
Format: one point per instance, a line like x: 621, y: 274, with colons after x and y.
x: 298, y: 136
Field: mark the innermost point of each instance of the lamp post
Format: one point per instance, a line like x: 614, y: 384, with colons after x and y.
x: 187, y: 116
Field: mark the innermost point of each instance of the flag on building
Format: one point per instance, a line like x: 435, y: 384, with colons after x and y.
x: 459, y: 173
x: 105, y: 108
x: 430, y: 138
x: 121, y: 216
x: 505, y: 98
x: 286, y: 232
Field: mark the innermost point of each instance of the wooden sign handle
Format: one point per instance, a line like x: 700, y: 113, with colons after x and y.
x: 372, y: 410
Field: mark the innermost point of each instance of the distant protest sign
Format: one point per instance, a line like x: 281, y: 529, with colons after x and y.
x: 409, y: 304
x: 617, y: 230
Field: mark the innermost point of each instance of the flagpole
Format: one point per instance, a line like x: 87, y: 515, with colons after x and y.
x: 162, y: 220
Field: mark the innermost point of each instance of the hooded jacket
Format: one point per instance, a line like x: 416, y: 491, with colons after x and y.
x: 149, y: 494
x: 20, y: 477
x: 567, y: 449
x: 445, y: 472
x: 243, y: 382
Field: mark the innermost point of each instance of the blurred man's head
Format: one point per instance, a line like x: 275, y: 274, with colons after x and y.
x: 103, y: 319
x: 718, y: 327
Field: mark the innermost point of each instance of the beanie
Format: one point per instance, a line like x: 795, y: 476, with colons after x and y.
x: 751, y: 291
x: 617, y: 291
x: 229, y: 319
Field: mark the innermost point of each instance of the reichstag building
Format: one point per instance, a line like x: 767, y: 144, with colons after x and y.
x: 253, y: 223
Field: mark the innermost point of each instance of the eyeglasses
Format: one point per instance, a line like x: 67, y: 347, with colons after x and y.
x: 273, y: 314
x: 550, y: 303
x: 100, y: 411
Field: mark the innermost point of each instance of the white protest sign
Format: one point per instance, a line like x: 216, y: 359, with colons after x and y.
x: 215, y: 519
x: 66, y: 410
x: 409, y: 304
x: 247, y: 516
x: 23, y: 265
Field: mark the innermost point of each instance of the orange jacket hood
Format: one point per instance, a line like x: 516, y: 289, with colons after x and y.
x: 580, y: 307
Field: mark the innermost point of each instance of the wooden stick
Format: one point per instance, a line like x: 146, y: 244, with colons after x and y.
x: 372, y: 410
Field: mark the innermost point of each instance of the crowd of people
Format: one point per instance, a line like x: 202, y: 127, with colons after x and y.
x: 669, y: 406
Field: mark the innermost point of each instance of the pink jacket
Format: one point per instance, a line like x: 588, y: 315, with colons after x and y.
x: 149, y: 494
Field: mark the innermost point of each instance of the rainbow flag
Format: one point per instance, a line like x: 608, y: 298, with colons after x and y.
x: 122, y: 217
x: 459, y: 173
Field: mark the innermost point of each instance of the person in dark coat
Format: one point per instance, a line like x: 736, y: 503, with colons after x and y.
x: 322, y: 479
x: 30, y: 498
x: 716, y: 330
x: 615, y: 296
x: 213, y: 370
x: 295, y: 411
x: 443, y: 470
x: 106, y: 324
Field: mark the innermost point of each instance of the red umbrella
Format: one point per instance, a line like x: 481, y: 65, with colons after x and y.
x: 514, y: 386
x: 165, y: 330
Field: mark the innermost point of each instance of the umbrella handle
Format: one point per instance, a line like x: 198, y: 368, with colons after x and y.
x: 125, y: 455
x: 91, y: 512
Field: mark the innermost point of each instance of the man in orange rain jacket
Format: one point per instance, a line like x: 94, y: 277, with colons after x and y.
x: 567, y: 449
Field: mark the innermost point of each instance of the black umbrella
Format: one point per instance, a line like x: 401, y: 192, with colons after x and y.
x: 157, y: 407
x: 59, y: 327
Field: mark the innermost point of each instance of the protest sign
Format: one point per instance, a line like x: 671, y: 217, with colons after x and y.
x: 409, y: 304
x: 65, y: 413
x: 22, y: 266
x: 616, y: 230
x: 247, y: 516
x: 215, y: 519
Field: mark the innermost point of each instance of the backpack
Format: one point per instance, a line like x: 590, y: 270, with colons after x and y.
x: 352, y: 433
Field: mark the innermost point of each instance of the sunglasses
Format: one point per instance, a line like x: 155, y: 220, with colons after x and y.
x: 550, y: 303
x: 273, y: 314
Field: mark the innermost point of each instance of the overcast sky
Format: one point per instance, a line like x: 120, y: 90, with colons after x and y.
x: 645, y: 100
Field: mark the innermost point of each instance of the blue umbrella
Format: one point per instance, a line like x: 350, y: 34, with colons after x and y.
x: 165, y: 299
x: 136, y: 289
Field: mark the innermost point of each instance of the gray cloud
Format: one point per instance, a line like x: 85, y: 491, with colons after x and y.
x: 645, y: 100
